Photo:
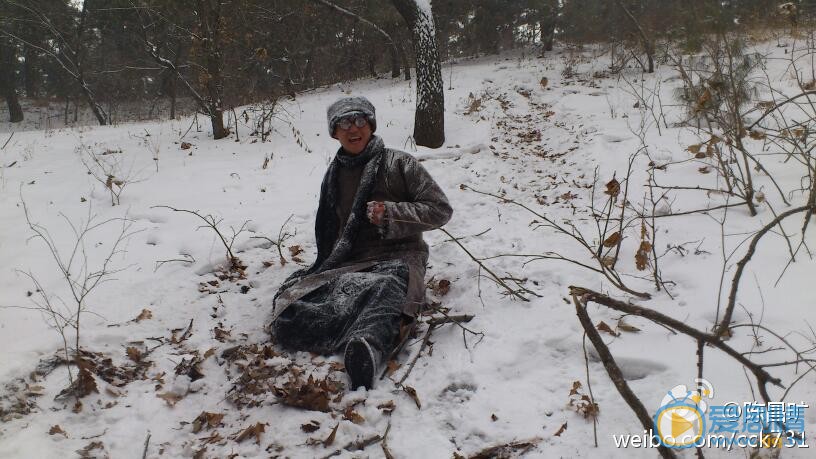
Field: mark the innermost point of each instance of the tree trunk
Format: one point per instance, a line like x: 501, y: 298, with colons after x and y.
x: 406, y: 67
x: 395, y: 63
x: 7, y: 81
x: 547, y: 25
x: 372, y: 67
x: 648, y: 45
x: 171, y: 92
x: 212, y: 25
x: 14, y: 108
x: 429, y: 118
x: 217, y: 121
x: 79, y: 75
x: 30, y: 73
x: 98, y: 111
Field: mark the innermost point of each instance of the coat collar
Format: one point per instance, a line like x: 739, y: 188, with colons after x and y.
x: 374, y: 147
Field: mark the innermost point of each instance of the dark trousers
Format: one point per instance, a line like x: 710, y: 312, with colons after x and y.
x: 366, y: 304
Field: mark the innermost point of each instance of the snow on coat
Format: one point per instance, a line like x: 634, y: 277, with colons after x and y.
x: 414, y: 203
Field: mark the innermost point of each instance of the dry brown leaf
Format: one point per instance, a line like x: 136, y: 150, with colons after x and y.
x: 330, y: 439
x: 251, y: 431
x: 221, y: 334
x: 134, y: 354
x: 586, y: 407
x: 604, y: 327
x: 295, y: 250
x: 475, y: 105
x: 387, y: 407
x: 642, y: 255
x: 442, y: 287
x: 208, y: 420
x: 56, y: 429
x: 704, y: 170
x: 613, y: 240
x: 413, y: 394
x: 337, y: 366
x: 350, y: 415
x: 704, y: 98
x: 186, y: 145
x: 85, y: 382
x: 612, y: 188
x: 144, y: 315
x: 310, y: 427
x: 623, y: 326
x: 694, y: 149
x: 85, y: 453
x: 170, y: 397
x: 576, y: 386
x: 757, y: 135
x: 561, y: 430
x: 391, y: 367
x: 544, y: 81
x: 310, y: 394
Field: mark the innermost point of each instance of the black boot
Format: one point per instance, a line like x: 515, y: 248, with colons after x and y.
x: 362, y: 362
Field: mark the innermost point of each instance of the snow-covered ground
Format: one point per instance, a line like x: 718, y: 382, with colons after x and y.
x: 538, y: 142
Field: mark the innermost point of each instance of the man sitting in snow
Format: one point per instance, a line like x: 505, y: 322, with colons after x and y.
x: 375, y: 203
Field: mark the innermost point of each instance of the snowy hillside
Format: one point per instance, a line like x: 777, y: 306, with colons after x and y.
x: 179, y: 359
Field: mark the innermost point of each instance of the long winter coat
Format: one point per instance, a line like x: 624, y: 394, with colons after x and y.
x: 414, y: 203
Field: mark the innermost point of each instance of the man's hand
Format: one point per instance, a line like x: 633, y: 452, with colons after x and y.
x: 376, y: 212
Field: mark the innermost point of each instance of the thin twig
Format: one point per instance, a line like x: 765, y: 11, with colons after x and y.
x: 7, y: 141
x: 722, y: 327
x: 591, y: 396
x: 425, y: 341
x: 496, y: 278
x: 146, y: 445
x: 614, y: 371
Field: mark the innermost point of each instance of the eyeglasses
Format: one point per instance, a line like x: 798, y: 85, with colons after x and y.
x: 345, y: 123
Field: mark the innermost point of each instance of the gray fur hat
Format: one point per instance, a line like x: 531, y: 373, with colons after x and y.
x: 349, y: 106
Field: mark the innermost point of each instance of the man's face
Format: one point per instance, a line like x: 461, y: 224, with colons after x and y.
x: 354, y: 139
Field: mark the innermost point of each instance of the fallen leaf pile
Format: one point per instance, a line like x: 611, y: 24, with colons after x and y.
x: 284, y: 379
